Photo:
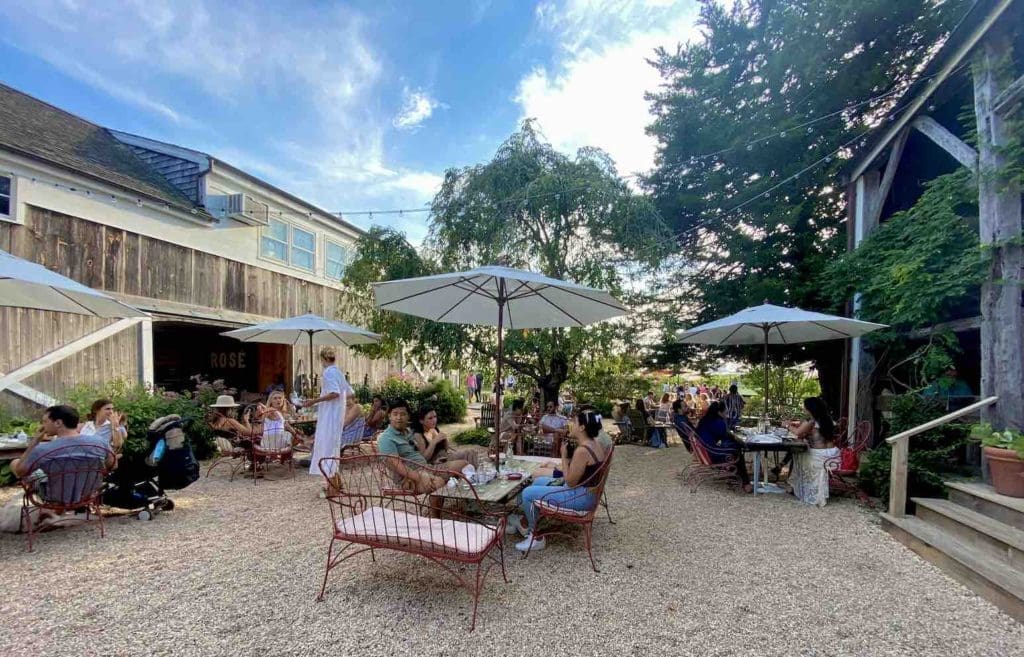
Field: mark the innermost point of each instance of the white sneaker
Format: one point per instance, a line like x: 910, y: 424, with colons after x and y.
x: 515, y: 524
x: 524, y: 545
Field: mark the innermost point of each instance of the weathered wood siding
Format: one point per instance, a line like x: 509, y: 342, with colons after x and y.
x: 119, y: 261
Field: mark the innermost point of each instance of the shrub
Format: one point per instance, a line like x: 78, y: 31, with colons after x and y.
x: 933, y: 455
x: 449, y: 403
x: 395, y: 387
x: 478, y: 436
x: 364, y: 393
x: 140, y: 405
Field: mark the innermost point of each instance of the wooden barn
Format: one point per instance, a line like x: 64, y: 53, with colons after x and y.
x: 202, y: 246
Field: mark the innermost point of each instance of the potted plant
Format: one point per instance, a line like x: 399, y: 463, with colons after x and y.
x: 1004, y: 451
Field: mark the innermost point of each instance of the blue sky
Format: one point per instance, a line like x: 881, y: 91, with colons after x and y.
x: 354, y: 106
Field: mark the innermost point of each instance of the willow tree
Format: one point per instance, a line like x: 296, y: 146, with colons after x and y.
x: 569, y: 217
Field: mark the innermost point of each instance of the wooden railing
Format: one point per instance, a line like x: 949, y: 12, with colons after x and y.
x: 901, y: 448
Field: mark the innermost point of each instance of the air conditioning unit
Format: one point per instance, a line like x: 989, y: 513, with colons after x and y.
x: 240, y: 207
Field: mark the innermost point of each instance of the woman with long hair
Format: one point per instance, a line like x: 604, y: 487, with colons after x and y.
x: 101, y: 417
x: 808, y: 476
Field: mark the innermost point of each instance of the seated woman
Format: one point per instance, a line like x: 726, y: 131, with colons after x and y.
x: 220, y: 417
x: 714, y: 435
x: 102, y: 414
x: 682, y: 423
x: 808, y: 476
x: 375, y: 419
x: 566, y: 491
x: 432, y: 443
x: 273, y: 415
x: 351, y: 424
x: 658, y: 437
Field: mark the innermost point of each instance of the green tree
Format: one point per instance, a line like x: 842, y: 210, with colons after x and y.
x: 531, y: 207
x: 763, y: 221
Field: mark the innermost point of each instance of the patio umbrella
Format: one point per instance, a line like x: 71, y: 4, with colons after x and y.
x: 501, y: 297
x: 25, y: 284
x: 315, y: 329
x: 768, y: 324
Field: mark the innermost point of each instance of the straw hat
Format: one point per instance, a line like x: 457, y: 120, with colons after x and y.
x: 225, y: 401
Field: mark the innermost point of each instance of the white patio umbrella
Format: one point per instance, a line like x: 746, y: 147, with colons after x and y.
x: 769, y: 324
x: 501, y: 297
x: 315, y: 329
x: 25, y: 284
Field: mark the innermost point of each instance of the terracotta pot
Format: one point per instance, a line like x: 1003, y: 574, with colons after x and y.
x: 1007, y: 471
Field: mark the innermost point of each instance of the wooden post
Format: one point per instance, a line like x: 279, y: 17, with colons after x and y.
x: 999, y: 225
x: 866, y: 189
x: 898, y: 479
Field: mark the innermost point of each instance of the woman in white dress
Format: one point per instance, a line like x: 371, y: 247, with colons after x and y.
x: 330, y: 413
x: 808, y: 476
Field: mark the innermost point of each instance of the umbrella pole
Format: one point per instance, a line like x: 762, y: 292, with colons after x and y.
x: 310, y: 361
x: 497, y: 383
x: 764, y: 410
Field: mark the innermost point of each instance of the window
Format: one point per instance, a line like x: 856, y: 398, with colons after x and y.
x: 275, y: 240
x: 5, y: 196
x: 337, y: 258
x: 303, y: 249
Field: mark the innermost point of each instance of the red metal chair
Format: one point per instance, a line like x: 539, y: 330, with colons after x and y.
x: 74, y: 478
x: 710, y: 464
x: 556, y: 511
x: 273, y: 446
x: 843, y: 468
x: 234, y: 450
x: 369, y: 511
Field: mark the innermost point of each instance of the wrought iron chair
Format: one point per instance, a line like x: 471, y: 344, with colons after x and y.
x: 72, y: 479
x: 843, y: 469
x: 352, y: 436
x: 710, y: 464
x: 234, y: 450
x: 273, y: 446
x: 556, y: 510
x: 370, y: 511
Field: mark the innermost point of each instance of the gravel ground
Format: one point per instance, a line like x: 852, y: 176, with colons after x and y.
x: 234, y: 570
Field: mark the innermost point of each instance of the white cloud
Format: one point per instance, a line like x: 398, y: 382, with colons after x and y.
x: 417, y: 107
x: 594, y: 94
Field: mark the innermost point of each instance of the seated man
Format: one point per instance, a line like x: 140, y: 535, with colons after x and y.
x: 62, y: 422
x: 554, y: 428
x: 399, y: 440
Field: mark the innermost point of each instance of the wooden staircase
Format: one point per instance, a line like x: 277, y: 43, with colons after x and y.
x: 976, y: 536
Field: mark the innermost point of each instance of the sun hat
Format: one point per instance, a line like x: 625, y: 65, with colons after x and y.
x: 225, y: 401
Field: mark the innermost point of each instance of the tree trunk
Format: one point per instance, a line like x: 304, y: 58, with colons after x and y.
x: 999, y: 226
x: 551, y: 383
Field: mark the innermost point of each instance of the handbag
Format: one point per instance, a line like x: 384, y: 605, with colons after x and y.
x: 849, y: 460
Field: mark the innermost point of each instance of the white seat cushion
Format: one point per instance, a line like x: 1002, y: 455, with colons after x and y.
x: 389, y: 526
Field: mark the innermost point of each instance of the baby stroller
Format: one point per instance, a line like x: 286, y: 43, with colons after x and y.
x: 139, y: 484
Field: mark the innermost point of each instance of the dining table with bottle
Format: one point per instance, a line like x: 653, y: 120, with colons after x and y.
x: 761, y: 440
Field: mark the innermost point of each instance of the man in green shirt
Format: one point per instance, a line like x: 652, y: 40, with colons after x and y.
x: 397, y: 440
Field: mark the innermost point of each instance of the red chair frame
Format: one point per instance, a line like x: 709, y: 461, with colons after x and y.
x: 555, y: 512
x: 265, y: 456
x: 840, y: 480
x: 241, y: 449
x: 370, y: 511
x: 91, y: 468
x: 703, y: 467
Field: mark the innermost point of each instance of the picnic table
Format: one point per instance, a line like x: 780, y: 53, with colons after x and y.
x: 762, y: 444
x: 499, y: 491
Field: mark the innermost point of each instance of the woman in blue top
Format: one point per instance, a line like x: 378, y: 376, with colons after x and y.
x: 714, y: 435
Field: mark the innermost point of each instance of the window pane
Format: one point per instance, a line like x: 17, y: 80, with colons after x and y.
x: 302, y: 239
x: 302, y: 259
x: 274, y: 249
x: 277, y: 229
x: 335, y: 270
x: 5, y: 205
x: 335, y: 252
x: 5, y: 185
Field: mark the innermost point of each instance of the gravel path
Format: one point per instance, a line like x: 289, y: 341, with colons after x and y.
x: 235, y: 568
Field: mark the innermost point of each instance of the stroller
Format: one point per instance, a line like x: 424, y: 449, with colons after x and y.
x: 139, y: 484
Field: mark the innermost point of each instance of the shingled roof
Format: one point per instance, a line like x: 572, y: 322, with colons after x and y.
x: 40, y: 131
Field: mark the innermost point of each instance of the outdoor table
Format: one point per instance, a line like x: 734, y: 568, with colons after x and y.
x: 787, y: 444
x: 498, y: 491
